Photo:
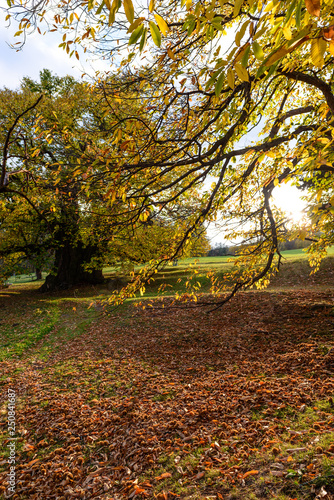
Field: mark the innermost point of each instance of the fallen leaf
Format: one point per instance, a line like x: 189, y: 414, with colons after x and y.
x: 250, y: 473
x: 200, y: 475
x: 33, y: 462
x: 163, y: 476
x: 28, y: 447
x: 277, y: 473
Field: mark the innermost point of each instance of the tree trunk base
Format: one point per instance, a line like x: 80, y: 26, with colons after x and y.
x: 69, y: 269
x: 54, y: 282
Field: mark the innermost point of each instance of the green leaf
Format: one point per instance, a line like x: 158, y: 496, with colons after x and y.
x: 213, y: 78
x: 217, y: 23
x: 230, y: 78
x: 245, y: 57
x: 135, y: 24
x: 99, y: 10
x: 135, y: 35
x: 289, y: 12
x: 237, y: 7
x: 143, y: 40
x: 299, y: 14
x: 155, y: 32
x: 258, y: 52
x: 129, y: 10
x: 301, y: 34
x: 271, y: 70
x: 192, y: 26
x: 219, y: 83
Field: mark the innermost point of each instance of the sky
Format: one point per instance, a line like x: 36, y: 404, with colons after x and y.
x: 42, y: 52
x: 39, y: 53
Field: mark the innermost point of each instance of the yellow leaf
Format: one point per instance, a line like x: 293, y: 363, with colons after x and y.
x: 230, y: 78
x: 239, y: 55
x: 276, y: 181
x: 135, y: 24
x: 269, y: 7
x: 188, y: 4
x: 239, y: 36
x: 162, y: 24
x: 331, y: 47
x: 318, y: 48
x: 313, y: 7
x: 129, y: 10
x: 277, y: 55
x: 241, y: 72
x: 171, y: 54
x: 302, y: 234
x: 151, y: 5
x: 287, y: 33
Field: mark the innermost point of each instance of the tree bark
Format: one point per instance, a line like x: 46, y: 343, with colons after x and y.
x: 69, y: 268
x: 38, y: 272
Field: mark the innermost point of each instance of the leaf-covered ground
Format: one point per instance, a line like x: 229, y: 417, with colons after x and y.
x: 172, y: 403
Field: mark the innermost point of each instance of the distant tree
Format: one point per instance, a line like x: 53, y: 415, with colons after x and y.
x: 44, y: 203
x: 219, y: 250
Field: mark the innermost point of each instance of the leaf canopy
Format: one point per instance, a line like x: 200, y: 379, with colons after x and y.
x: 239, y: 93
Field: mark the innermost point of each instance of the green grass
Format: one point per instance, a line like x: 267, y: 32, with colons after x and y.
x: 17, y: 337
x: 295, y: 268
x: 203, y: 263
x: 42, y: 324
x: 25, y: 278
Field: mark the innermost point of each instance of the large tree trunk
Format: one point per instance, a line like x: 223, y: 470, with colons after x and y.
x: 69, y: 268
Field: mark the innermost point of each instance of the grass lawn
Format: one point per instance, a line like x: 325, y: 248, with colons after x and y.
x: 171, y: 402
